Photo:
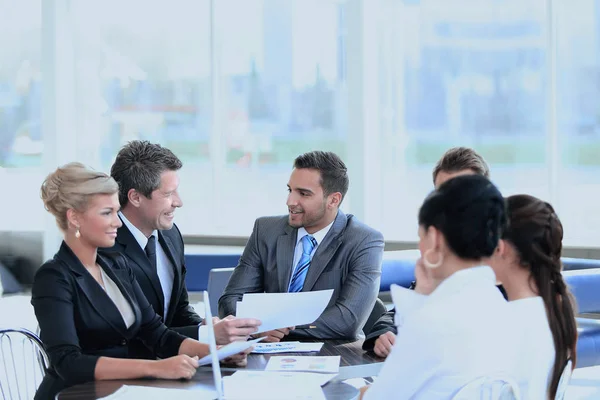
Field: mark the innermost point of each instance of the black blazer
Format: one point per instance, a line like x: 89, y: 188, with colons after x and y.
x: 181, y: 317
x: 79, y: 323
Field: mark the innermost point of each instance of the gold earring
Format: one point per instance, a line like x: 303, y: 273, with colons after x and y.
x: 77, y: 234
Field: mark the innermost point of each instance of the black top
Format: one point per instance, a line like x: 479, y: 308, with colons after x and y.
x: 79, y: 322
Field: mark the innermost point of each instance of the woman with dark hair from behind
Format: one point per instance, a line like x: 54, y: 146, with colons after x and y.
x: 454, y: 328
x: 528, y: 264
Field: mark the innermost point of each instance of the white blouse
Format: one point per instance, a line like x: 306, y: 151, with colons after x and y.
x: 112, y: 290
x: 447, y: 339
x: 536, y: 347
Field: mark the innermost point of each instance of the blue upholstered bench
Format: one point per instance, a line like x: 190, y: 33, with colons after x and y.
x: 570, y: 264
x: 398, y: 267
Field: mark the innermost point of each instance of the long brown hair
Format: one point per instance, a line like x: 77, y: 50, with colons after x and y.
x: 536, y: 233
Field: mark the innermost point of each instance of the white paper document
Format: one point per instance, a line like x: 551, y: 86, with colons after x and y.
x: 287, y: 347
x: 127, y: 392
x: 322, y: 364
x: 282, y: 310
x: 307, y: 377
x: 266, y: 385
x: 229, y: 350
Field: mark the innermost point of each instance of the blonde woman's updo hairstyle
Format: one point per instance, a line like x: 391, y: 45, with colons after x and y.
x: 71, y: 186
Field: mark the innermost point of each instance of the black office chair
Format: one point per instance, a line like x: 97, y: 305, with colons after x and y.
x: 378, y: 310
x: 23, y: 363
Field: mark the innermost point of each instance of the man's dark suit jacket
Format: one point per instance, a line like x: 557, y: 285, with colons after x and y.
x: 348, y: 260
x: 79, y: 322
x: 181, y: 317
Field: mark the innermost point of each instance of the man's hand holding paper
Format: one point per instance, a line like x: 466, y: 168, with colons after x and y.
x: 281, y: 312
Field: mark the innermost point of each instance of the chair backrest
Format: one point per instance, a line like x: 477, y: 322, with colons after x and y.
x: 489, y: 388
x: 23, y: 363
x: 217, y: 281
x: 563, y: 383
x: 378, y: 310
x: 398, y: 267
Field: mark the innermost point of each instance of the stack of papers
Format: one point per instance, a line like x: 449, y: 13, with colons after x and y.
x: 320, y: 364
x: 283, y: 310
x: 275, y: 385
x: 287, y: 347
x: 154, y: 393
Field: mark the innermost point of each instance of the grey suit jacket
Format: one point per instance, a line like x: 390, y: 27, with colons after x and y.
x: 348, y: 260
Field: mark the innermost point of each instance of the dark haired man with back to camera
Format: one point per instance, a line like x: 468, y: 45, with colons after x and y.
x: 455, y: 162
x: 315, y: 247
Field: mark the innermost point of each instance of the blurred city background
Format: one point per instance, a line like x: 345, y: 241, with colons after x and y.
x: 239, y: 88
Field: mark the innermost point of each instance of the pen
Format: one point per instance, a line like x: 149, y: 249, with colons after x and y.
x: 306, y: 326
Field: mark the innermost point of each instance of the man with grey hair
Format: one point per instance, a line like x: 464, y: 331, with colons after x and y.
x: 148, y: 180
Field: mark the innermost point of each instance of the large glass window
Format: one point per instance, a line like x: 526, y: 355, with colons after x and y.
x: 578, y: 117
x: 460, y: 73
x: 21, y: 140
x: 20, y: 84
x: 282, y: 93
x: 144, y: 72
x: 238, y: 89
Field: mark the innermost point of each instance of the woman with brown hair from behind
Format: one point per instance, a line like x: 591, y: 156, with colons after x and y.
x: 527, y: 262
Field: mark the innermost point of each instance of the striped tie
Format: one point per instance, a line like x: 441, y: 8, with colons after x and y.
x: 297, y: 283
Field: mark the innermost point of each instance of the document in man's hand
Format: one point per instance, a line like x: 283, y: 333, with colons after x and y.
x: 322, y: 364
x: 282, y: 310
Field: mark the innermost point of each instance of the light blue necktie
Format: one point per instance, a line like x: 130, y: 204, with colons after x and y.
x: 297, y: 283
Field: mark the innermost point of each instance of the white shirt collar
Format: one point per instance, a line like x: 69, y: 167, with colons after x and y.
x: 318, y: 235
x: 137, y: 234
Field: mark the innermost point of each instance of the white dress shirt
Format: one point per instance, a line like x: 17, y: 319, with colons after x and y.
x: 447, y: 339
x: 318, y: 236
x: 536, y: 347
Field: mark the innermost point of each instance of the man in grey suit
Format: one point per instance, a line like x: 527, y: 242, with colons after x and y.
x: 315, y: 247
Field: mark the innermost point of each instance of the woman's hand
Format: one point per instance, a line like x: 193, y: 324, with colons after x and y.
x: 426, y: 284
x: 177, y: 367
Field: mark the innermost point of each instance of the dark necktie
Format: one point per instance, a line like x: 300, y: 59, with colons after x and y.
x: 151, y: 251
x: 297, y: 283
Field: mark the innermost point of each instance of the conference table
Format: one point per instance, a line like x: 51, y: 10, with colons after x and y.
x: 354, y: 363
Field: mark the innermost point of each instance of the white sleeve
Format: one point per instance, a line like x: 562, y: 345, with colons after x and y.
x: 406, y: 302
x: 415, y: 358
